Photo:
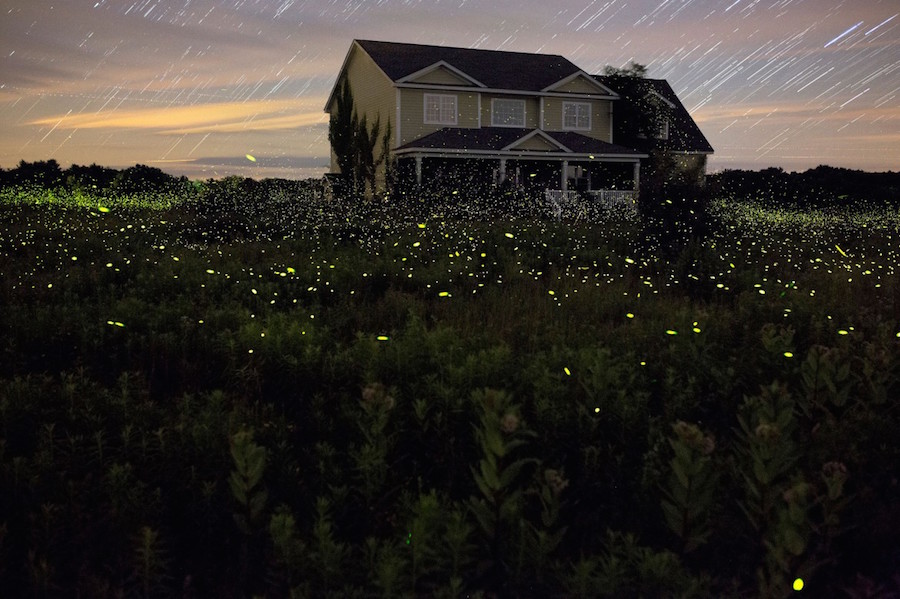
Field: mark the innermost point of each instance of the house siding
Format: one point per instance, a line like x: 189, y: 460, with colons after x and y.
x: 373, y: 93
x: 537, y: 144
x: 412, y: 102
x: 553, y: 114
x: 441, y: 76
x: 578, y: 86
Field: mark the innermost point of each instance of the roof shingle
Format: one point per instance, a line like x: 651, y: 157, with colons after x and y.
x: 496, y: 69
x: 494, y: 139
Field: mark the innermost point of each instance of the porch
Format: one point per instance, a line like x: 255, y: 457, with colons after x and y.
x: 560, y: 201
x: 608, y: 180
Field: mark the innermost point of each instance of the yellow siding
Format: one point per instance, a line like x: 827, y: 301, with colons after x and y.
x: 412, y: 123
x: 373, y: 92
x: 536, y: 143
x: 532, y: 110
x: 442, y: 76
x: 580, y: 85
x: 553, y: 111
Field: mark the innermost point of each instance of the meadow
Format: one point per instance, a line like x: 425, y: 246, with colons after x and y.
x: 251, y: 391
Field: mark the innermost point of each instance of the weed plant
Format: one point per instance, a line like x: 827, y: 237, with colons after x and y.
x: 246, y: 391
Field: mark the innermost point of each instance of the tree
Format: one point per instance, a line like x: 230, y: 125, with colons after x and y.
x: 671, y: 200
x: 354, y: 143
x: 341, y: 128
x: 643, y: 113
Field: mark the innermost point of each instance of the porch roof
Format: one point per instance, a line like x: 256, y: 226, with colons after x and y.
x: 501, y: 141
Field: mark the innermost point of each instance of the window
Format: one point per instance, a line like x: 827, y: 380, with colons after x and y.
x: 663, y: 131
x: 659, y: 130
x: 507, y: 113
x: 577, y: 116
x: 440, y: 109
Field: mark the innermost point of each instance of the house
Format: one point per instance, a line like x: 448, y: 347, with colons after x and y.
x: 530, y: 119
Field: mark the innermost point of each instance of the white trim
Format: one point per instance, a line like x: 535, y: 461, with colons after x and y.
x: 576, y: 127
x: 520, y: 155
x: 439, y: 65
x: 397, y: 101
x: 479, y: 111
x: 438, y: 121
x: 585, y: 76
x: 541, y: 104
x: 514, y: 125
x: 536, y: 133
x: 611, y: 123
x: 663, y: 98
x: 506, y: 92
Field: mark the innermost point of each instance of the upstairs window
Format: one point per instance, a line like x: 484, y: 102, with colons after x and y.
x: 658, y: 130
x: 577, y: 116
x: 507, y: 113
x: 440, y: 109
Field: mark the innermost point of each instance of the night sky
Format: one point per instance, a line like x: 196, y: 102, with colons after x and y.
x: 194, y: 86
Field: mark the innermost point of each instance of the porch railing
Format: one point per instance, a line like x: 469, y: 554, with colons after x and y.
x: 559, y: 201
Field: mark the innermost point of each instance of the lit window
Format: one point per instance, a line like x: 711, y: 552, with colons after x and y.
x: 440, y: 109
x: 507, y: 113
x: 577, y: 116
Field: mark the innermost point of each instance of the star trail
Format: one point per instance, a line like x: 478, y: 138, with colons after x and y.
x: 193, y: 86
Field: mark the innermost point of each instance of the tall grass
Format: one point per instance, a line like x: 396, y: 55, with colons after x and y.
x: 291, y: 396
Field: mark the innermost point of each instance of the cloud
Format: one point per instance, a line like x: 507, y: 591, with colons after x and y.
x: 223, y: 117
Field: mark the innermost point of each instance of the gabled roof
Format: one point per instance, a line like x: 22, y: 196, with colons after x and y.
x: 495, y: 69
x: 684, y: 134
x: 497, y: 140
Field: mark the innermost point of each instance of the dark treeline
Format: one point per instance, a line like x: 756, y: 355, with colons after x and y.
x: 137, y: 180
x: 823, y: 186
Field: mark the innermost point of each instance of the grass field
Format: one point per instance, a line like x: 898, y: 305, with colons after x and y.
x: 284, y: 396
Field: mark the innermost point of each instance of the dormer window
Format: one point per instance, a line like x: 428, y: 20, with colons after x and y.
x: 507, y: 113
x: 663, y: 131
x: 440, y: 109
x: 577, y: 116
x: 660, y: 132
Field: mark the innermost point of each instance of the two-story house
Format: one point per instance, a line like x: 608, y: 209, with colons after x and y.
x: 532, y: 119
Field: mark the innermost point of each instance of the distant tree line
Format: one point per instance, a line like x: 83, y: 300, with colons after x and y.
x: 823, y: 186
x: 141, y: 179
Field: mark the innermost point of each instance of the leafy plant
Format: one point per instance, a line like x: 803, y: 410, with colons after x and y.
x: 689, y: 491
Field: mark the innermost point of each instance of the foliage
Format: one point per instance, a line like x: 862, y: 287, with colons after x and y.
x: 354, y: 143
x: 446, y: 398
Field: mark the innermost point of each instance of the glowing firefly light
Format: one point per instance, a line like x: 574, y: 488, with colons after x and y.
x: 102, y: 208
x: 382, y: 337
x: 444, y: 294
x: 843, y: 253
x: 510, y: 235
x: 671, y: 332
x: 566, y: 370
x: 251, y: 158
x: 788, y: 354
x: 629, y: 315
x: 798, y: 584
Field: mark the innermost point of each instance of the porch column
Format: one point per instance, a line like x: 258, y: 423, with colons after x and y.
x: 564, y: 176
x: 637, y: 176
x: 501, y: 175
x: 419, y: 169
